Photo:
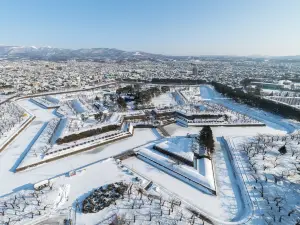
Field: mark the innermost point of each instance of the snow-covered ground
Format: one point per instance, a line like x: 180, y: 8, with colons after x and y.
x: 46, y: 101
x: 30, y: 206
x: 192, y: 94
x: 227, y: 189
x: 12, y: 119
x: 163, y: 100
x: 110, y: 173
x: 185, y: 173
x: 271, y: 178
x: 208, y: 203
x: 45, y: 171
x: 270, y: 119
x: 63, y: 199
x: 77, y: 106
x: 17, y: 150
x: 179, y: 146
x: 231, y: 202
x: 177, y: 130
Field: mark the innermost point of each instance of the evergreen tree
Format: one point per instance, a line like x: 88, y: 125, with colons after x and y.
x: 98, y: 116
x: 206, y: 139
x: 282, y: 150
x: 122, y: 103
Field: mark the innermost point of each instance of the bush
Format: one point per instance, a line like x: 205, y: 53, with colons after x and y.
x: 282, y: 150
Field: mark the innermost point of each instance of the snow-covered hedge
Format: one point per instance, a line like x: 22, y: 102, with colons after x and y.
x: 87, y: 133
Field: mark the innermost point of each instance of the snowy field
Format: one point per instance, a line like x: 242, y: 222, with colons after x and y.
x: 163, y: 100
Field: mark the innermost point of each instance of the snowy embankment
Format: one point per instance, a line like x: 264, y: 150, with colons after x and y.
x: 58, y: 130
x: 291, y: 101
x: 65, y: 150
x: 88, y: 142
x: 176, y: 149
x: 184, y: 173
x: 88, y: 106
x: 77, y: 106
x: 243, y: 204
x: 179, y: 98
x: 46, y: 102
x: 43, y: 142
x: 40, y: 144
x: 92, y: 140
x: 132, y: 113
x: 66, y: 110
x: 211, y: 113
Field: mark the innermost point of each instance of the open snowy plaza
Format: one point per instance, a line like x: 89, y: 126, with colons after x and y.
x: 146, y: 154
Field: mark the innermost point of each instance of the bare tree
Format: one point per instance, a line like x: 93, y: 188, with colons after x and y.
x: 296, y: 165
x: 260, y: 189
x: 255, y: 177
x: 275, y: 161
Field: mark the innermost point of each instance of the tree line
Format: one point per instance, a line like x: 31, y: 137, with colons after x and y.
x: 86, y: 134
x: 177, y: 81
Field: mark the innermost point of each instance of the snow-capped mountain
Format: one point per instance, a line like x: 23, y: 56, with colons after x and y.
x: 100, y: 54
x: 48, y: 53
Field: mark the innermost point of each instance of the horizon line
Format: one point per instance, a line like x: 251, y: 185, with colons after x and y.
x: 164, y: 54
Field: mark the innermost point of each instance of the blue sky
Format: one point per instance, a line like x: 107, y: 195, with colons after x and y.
x: 174, y: 27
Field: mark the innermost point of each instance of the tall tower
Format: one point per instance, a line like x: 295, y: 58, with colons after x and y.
x: 195, y: 70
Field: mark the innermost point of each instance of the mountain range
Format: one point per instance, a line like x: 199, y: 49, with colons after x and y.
x: 105, y: 54
x: 59, y: 54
